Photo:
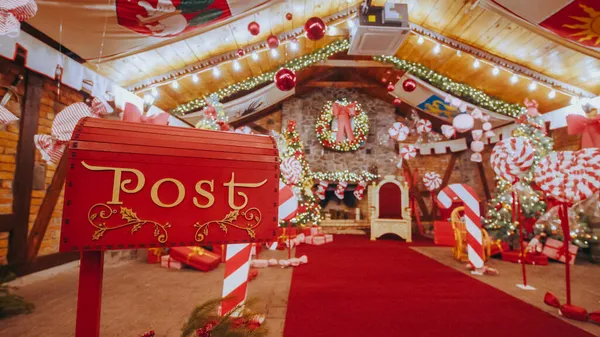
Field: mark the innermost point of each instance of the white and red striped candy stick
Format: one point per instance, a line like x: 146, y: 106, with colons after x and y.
x: 237, y: 266
x: 465, y: 194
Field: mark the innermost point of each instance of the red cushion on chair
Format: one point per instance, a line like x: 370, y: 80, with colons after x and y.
x: 390, y: 201
x: 574, y: 312
x: 551, y: 300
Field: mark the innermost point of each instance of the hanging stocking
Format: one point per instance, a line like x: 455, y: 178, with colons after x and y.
x: 340, y: 188
x: 359, y: 192
x: 321, y: 189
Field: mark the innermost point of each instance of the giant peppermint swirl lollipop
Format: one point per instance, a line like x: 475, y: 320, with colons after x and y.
x: 512, y: 158
x: 569, y: 176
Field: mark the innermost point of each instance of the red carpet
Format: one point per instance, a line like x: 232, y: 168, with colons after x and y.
x: 355, y: 287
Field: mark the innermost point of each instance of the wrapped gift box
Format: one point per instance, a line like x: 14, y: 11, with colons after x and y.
x: 255, y: 250
x: 328, y: 238
x: 515, y: 256
x: 166, y: 261
x: 196, y: 257
x: 154, y: 255
x: 554, y: 250
x: 443, y: 234
x: 284, y: 232
x: 496, y: 248
x: 315, y: 240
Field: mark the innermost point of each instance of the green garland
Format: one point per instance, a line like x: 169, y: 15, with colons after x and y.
x: 346, y: 176
x: 461, y: 90
x: 325, y: 134
x: 439, y: 81
x: 296, y: 64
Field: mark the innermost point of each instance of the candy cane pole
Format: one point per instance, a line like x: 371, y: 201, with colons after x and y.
x: 465, y: 194
x: 516, y: 210
x: 237, y: 266
x: 564, y: 222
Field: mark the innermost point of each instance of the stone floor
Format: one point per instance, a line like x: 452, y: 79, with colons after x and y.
x: 585, y: 282
x: 138, y: 297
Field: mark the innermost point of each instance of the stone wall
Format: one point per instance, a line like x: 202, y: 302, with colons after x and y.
x: 305, y: 110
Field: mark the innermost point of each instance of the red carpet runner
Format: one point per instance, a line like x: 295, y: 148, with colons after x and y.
x: 355, y: 287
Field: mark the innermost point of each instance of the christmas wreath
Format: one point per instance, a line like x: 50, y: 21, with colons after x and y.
x: 351, y: 130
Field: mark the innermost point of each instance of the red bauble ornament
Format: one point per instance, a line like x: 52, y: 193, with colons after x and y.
x: 315, y: 28
x: 391, y: 87
x: 409, y: 85
x: 289, y: 16
x: 397, y: 101
x: 498, y: 206
x: 273, y: 41
x: 285, y: 79
x: 384, y: 80
x: 241, y: 52
x: 254, y: 28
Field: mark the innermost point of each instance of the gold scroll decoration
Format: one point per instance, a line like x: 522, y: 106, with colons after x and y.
x: 105, y: 212
x: 251, y: 215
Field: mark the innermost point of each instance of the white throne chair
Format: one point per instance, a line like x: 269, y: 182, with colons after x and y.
x: 389, y: 211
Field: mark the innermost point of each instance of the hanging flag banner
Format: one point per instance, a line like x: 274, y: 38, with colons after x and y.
x: 99, y: 29
x: 574, y: 20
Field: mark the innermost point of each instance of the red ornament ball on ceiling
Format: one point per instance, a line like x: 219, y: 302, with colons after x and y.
x: 285, y: 79
x: 273, y: 41
x: 409, y: 85
x: 241, y: 52
x: 391, y: 87
x: 384, y: 80
x: 289, y: 16
x: 254, y: 28
x: 397, y: 102
x: 315, y: 28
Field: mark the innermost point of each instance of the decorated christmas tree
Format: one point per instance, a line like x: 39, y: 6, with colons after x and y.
x: 214, y: 115
x: 498, y: 220
x: 295, y: 171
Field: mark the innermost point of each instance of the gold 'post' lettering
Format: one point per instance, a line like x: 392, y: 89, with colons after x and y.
x: 119, y: 185
x: 231, y: 193
x: 205, y: 193
x: 180, y: 192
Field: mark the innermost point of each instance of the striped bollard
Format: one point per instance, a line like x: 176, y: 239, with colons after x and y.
x: 288, y: 207
x: 237, y: 266
x: 465, y: 194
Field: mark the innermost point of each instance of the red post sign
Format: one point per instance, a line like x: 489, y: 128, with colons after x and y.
x: 136, y: 185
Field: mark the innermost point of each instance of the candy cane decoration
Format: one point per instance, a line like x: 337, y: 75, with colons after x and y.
x: 465, y: 194
x: 288, y: 202
x: 237, y: 266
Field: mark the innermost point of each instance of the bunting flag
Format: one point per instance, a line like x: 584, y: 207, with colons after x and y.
x: 574, y: 20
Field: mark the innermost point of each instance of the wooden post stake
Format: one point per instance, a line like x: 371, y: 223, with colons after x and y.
x: 89, y: 297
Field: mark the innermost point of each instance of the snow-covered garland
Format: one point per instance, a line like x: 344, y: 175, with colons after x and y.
x: 326, y: 136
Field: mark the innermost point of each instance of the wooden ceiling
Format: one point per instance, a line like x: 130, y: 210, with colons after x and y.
x: 456, y: 19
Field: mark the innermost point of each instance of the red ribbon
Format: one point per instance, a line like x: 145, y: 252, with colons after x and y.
x: 343, y: 114
x: 588, y: 128
x: 131, y: 113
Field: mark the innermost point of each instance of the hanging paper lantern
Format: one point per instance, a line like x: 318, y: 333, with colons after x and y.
x: 285, y: 79
x: 273, y: 41
x: 391, y: 87
x: 463, y: 122
x: 409, y: 85
x: 254, y: 28
x: 315, y: 28
x: 397, y: 101
x: 289, y: 16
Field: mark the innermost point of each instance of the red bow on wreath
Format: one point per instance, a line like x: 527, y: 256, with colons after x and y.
x: 343, y: 114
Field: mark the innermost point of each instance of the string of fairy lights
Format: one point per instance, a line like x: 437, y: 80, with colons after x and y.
x: 292, y: 46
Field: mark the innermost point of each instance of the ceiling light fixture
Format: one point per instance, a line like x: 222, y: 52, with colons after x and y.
x: 532, y: 86
x: 495, y: 71
x: 552, y: 94
x: 254, y: 56
x: 437, y: 49
x: 274, y: 53
x: 175, y: 85
x: 420, y: 40
x: 216, y: 72
x: 476, y: 64
x: 236, y: 66
x: 514, y: 79
x: 195, y: 78
x: 154, y: 92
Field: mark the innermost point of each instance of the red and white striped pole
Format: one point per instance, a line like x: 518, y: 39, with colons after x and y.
x: 237, y: 267
x: 465, y: 194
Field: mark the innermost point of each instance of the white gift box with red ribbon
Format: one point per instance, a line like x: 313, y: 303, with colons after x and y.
x: 167, y: 262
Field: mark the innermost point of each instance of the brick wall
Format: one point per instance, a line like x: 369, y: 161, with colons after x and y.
x: 51, y: 103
